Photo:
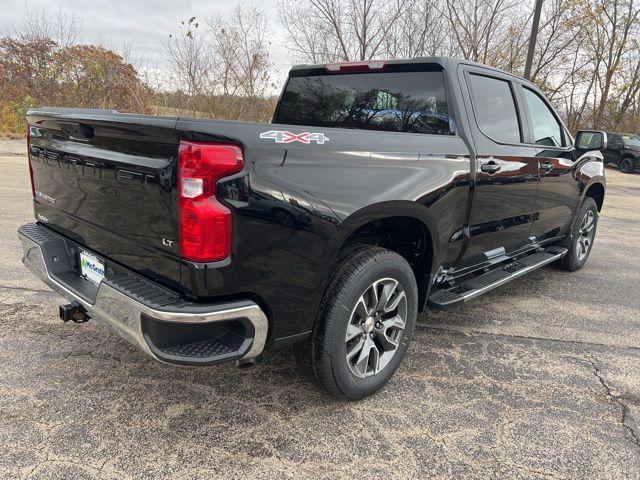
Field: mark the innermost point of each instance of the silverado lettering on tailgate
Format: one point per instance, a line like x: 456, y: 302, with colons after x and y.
x: 89, y: 168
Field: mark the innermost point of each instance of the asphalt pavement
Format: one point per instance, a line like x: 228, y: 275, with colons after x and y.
x: 538, y: 379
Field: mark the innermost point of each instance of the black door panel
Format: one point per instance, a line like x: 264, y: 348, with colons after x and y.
x: 558, y: 194
x: 502, y: 210
x: 557, y: 198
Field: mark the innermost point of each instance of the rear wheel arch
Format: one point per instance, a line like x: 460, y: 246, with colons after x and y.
x: 403, y: 227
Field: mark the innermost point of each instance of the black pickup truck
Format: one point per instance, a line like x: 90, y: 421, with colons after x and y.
x: 380, y: 189
x: 623, y: 150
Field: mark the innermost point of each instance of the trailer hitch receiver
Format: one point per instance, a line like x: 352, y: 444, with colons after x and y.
x: 73, y: 311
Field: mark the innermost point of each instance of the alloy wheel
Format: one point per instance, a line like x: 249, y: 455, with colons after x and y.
x: 585, y: 235
x: 375, y: 327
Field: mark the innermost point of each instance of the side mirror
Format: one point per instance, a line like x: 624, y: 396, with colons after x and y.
x: 591, y: 140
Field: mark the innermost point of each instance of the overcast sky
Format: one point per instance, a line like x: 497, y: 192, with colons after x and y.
x: 143, y: 24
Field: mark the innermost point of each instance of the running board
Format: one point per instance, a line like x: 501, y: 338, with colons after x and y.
x: 479, y: 284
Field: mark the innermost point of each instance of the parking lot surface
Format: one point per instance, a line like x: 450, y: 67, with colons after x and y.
x: 538, y: 379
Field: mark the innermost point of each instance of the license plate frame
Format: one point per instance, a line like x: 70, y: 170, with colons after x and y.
x: 91, y: 267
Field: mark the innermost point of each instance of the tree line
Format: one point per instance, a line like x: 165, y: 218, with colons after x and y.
x: 587, y: 57
x: 42, y: 63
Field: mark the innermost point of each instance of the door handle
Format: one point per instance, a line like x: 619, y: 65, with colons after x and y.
x: 490, y: 167
x: 546, y: 167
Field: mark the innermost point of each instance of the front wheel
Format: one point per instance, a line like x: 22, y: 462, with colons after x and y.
x: 365, y: 323
x: 583, y: 236
x: 627, y: 165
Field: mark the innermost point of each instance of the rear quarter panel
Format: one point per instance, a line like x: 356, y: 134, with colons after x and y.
x: 296, y: 203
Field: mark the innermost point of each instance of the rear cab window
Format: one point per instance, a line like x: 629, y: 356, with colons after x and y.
x: 395, y: 101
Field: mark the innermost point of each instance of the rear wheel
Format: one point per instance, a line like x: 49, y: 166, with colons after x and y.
x: 584, y: 232
x: 627, y: 165
x: 365, y: 323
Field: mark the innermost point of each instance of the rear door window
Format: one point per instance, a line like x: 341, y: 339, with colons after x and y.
x: 495, y: 109
x: 412, y: 102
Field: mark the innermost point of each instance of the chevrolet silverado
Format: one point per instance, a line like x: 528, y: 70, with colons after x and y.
x: 379, y: 190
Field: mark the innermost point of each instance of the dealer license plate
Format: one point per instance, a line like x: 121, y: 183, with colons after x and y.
x: 91, y: 267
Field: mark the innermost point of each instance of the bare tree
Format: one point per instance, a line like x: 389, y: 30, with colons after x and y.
x: 222, y: 69
x: 484, y: 30
x: 188, y: 56
x: 242, y: 65
x: 629, y: 86
x: 334, y: 30
x: 559, y: 37
x: 611, y: 24
x: 42, y: 24
x: 586, y: 58
x: 421, y: 30
x: 242, y: 43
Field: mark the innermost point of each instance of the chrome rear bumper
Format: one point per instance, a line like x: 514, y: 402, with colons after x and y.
x: 172, y: 331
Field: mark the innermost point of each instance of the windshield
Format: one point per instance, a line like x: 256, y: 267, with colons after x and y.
x: 398, y: 102
x: 632, y: 140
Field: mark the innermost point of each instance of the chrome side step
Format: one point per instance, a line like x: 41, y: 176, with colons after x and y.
x: 479, y: 284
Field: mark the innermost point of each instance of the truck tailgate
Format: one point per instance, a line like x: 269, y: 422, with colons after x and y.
x: 108, y: 181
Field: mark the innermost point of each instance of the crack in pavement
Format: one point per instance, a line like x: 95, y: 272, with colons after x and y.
x: 626, y: 417
x: 618, y: 399
x: 523, y: 337
x: 25, y: 289
x: 529, y: 470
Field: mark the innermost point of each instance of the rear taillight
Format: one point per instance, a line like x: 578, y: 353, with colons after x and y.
x: 33, y: 187
x: 205, y: 224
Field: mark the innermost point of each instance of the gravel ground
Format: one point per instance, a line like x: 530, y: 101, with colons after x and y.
x: 540, y: 378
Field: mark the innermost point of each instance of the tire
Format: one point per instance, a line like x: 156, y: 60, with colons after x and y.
x: 627, y: 165
x: 583, y: 236
x: 347, y: 320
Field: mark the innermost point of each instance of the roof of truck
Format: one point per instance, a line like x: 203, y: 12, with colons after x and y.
x: 442, y: 62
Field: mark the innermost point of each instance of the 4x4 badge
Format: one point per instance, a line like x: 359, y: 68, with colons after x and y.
x: 282, y: 136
